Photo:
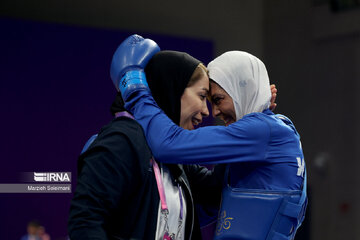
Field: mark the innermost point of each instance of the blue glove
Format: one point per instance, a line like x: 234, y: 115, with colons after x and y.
x: 128, y: 63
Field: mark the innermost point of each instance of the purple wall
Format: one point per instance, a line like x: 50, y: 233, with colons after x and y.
x: 55, y: 92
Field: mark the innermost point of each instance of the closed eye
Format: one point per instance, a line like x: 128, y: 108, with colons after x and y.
x: 216, y: 100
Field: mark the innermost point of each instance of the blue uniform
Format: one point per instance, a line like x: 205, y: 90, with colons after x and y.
x: 263, y: 150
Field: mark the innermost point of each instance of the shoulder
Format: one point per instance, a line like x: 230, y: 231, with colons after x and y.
x: 121, y: 125
x: 267, y: 118
x: 254, y: 124
x: 122, y: 139
x: 120, y: 131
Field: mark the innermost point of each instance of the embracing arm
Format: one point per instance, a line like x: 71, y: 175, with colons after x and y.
x: 168, y: 142
x: 242, y: 141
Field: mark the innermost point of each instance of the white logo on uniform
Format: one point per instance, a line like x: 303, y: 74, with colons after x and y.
x: 301, y: 167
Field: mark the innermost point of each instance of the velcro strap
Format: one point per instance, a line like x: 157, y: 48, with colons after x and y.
x: 292, y: 210
x: 134, y: 77
x: 279, y: 236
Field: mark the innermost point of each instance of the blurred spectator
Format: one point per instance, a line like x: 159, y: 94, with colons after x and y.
x: 35, y: 231
x: 42, y: 233
x: 32, y: 231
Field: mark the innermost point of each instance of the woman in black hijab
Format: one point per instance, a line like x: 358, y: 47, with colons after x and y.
x: 168, y: 74
x: 117, y: 195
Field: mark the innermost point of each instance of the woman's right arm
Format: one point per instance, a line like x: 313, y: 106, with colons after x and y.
x: 244, y: 140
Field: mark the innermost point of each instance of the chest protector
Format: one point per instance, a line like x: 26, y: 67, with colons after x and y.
x: 258, y: 214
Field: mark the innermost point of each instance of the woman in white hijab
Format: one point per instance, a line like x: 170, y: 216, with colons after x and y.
x: 264, y: 194
x: 244, y: 78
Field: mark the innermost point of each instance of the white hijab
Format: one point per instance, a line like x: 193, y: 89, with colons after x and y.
x: 244, y: 77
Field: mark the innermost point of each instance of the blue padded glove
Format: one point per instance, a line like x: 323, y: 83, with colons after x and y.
x: 128, y: 63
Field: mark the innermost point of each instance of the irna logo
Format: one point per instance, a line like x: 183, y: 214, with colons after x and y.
x: 52, y: 177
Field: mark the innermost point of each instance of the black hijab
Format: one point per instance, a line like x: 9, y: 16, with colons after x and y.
x: 168, y: 74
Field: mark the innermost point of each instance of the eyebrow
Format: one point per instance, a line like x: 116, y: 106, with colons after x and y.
x: 217, y: 95
x: 206, y: 90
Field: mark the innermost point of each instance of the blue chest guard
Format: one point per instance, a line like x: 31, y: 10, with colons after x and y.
x: 258, y: 214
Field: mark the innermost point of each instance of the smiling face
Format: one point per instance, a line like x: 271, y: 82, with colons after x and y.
x: 193, y: 100
x: 222, y: 104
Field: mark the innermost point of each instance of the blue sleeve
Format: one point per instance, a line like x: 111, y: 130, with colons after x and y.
x: 88, y: 143
x: 245, y: 140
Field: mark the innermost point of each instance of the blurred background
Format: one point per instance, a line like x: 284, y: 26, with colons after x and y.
x: 55, y: 89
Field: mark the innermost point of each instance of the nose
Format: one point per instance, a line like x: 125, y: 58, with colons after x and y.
x: 215, y: 110
x: 205, y: 110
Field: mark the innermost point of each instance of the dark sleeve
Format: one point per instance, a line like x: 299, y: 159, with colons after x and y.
x: 206, y: 185
x: 105, y: 179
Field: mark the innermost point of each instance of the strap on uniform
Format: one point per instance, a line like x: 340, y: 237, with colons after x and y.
x: 292, y: 210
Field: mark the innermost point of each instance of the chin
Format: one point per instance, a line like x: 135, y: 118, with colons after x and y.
x: 188, y: 127
x: 191, y: 126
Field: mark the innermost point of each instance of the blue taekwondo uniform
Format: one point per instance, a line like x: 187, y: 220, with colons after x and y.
x: 264, y: 194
